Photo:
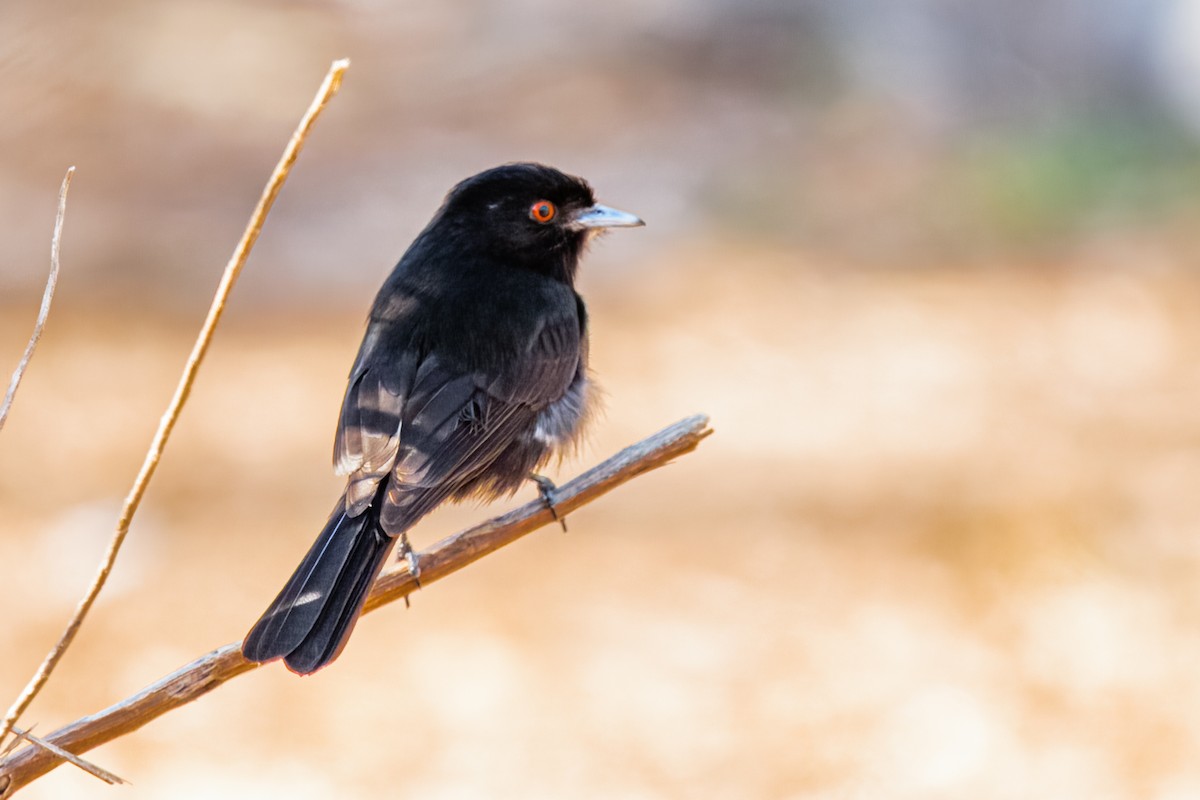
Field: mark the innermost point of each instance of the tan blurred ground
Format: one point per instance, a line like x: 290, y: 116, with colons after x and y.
x: 943, y: 544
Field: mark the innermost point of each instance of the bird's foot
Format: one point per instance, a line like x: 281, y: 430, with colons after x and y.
x: 546, y: 489
x: 409, y: 555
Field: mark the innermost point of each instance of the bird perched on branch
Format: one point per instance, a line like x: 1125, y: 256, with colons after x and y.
x: 472, y: 373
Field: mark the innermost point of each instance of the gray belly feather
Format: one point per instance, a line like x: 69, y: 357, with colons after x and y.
x: 561, y: 422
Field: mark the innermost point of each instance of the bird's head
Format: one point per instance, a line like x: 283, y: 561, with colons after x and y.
x: 531, y: 215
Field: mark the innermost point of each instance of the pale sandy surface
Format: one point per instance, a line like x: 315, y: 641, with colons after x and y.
x: 944, y: 544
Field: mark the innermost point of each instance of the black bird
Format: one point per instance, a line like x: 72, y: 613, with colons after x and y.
x: 472, y: 374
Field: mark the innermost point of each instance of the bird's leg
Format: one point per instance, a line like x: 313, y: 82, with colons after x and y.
x: 407, y: 553
x: 546, y: 489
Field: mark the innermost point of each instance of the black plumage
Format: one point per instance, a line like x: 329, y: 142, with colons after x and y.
x: 472, y: 373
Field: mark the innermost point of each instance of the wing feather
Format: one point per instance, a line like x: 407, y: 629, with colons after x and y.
x: 369, y: 428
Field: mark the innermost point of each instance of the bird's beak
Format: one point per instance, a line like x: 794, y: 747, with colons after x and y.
x: 599, y: 216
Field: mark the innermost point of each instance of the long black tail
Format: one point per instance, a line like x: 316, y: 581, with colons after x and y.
x: 311, y: 619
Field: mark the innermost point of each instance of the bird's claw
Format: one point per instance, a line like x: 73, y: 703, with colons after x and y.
x: 410, y: 556
x: 546, y: 489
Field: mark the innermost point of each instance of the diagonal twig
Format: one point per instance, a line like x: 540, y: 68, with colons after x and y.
x: 447, y: 556
x: 87, y: 766
x: 47, y: 296
x: 328, y: 88
x: 16, y: 740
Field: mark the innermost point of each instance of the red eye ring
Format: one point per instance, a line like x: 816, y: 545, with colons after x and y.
x: 542, y: 211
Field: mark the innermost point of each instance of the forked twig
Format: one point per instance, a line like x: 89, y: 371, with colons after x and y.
x: 449, y: 555
x: 328, y: 88
x: 44, y: 312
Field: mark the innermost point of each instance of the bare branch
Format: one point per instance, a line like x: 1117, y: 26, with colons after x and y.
x: 328, y: 88
x: 47, y: 296
x: 447, y: 556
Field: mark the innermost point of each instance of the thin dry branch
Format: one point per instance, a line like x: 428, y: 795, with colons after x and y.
x: 328, y: 88
x: 47, y: 297
x: 449, y: 555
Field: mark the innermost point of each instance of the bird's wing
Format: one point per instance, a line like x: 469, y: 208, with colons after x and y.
x: 457, y: 423
x: 433, y: 426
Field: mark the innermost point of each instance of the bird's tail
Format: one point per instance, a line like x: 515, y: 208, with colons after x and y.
x: 309, y: 622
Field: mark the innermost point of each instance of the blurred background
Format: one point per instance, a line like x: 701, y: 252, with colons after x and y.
x: 931, y: 268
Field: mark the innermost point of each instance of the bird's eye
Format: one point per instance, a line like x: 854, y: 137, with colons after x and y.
x: 542, y: 211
